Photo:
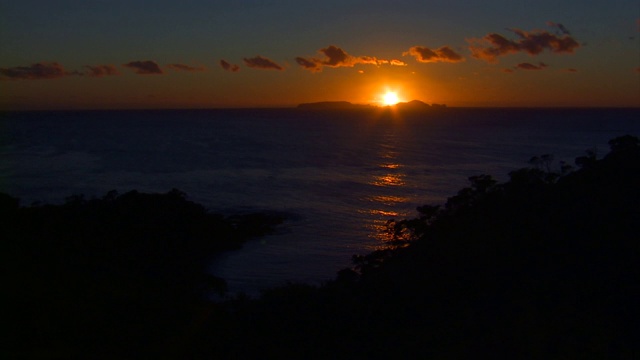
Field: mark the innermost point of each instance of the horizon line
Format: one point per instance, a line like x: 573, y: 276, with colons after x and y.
x: 295, y: 107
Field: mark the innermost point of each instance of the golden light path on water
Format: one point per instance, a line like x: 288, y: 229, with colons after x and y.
x: 389, y: 180
x: 388, y: 176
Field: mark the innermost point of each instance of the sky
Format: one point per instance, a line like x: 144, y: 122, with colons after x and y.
x: 112, y: 54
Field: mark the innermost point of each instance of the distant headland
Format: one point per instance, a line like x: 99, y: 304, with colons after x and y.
x: 414, y: 105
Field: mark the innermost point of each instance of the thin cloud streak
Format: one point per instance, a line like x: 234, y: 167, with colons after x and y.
x: 37, y: 71
x: 529, y: 66
x: 396, y: 62
x: 310, y: 65
x: 260, y: 62
x: 187, y: 68
x: 146, y: 67
x: 99, y: 71
x: 561, y: 29
x: 229, y: 67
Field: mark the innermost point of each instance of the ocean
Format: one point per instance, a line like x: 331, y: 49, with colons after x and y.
x: 338, y: 176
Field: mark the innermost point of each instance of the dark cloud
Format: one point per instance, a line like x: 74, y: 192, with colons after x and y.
x: 493, y: 45
x: 183, y: 67
x: 229, y: 67
x: 335, y: 57
x: 41, y: 70
x: 147, y: 67
x: 561, y: 29
x: 309, y: 64
x: 529, y: 66
x: 442, y: 54
x: 260, y: 62
x: 101, y: 70
x: 571, y: 70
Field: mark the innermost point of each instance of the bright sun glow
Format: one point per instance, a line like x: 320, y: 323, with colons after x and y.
x: 390, y: 98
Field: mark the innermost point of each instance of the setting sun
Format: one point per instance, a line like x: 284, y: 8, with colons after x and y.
x: 390, y: 98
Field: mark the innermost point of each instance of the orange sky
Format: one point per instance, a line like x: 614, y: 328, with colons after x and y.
x: 548, y: 55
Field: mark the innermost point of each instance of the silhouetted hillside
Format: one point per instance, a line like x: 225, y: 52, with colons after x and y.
x: 413, y: 106
x: 111, y: 277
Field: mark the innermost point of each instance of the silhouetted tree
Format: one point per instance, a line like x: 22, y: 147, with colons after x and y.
x: 588, y: 160
x: 624, y: 143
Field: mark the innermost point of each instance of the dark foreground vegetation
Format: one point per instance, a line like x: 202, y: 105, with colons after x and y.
x: 116, y: 277
x: 545, y: 265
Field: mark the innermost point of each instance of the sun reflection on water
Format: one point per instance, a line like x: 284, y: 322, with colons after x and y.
x: 390, y: 202
x: 388, y: 180
x: 383, y: 213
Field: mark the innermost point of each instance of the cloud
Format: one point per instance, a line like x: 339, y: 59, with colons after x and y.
x: 561, y: 29
x: 334, y: 57
x: 571, y: 70
x: 370, y: 60
x: 493, y: 45
x: 229, y: 67
x: 147, y: 67
x: 101, y: 70
x: 529, y: 66
x: 309, y: 64
x: 426, y: 55
x: 41, y: 70
x: 183, y: 67
x: 260, y: 62
x: 396, y: 62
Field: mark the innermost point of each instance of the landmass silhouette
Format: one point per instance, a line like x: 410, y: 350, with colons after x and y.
x: 413, y: 105
x: 544, y: 265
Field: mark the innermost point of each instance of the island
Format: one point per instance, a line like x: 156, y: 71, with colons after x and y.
x: 413, y: 105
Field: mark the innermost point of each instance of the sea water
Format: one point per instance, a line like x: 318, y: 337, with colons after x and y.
x: 337, y: 176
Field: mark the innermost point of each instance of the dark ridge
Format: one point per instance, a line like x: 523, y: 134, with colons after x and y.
x: 414, y: 105
x: 113, y: 277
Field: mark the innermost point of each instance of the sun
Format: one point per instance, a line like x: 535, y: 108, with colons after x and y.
x: 390, y: 98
